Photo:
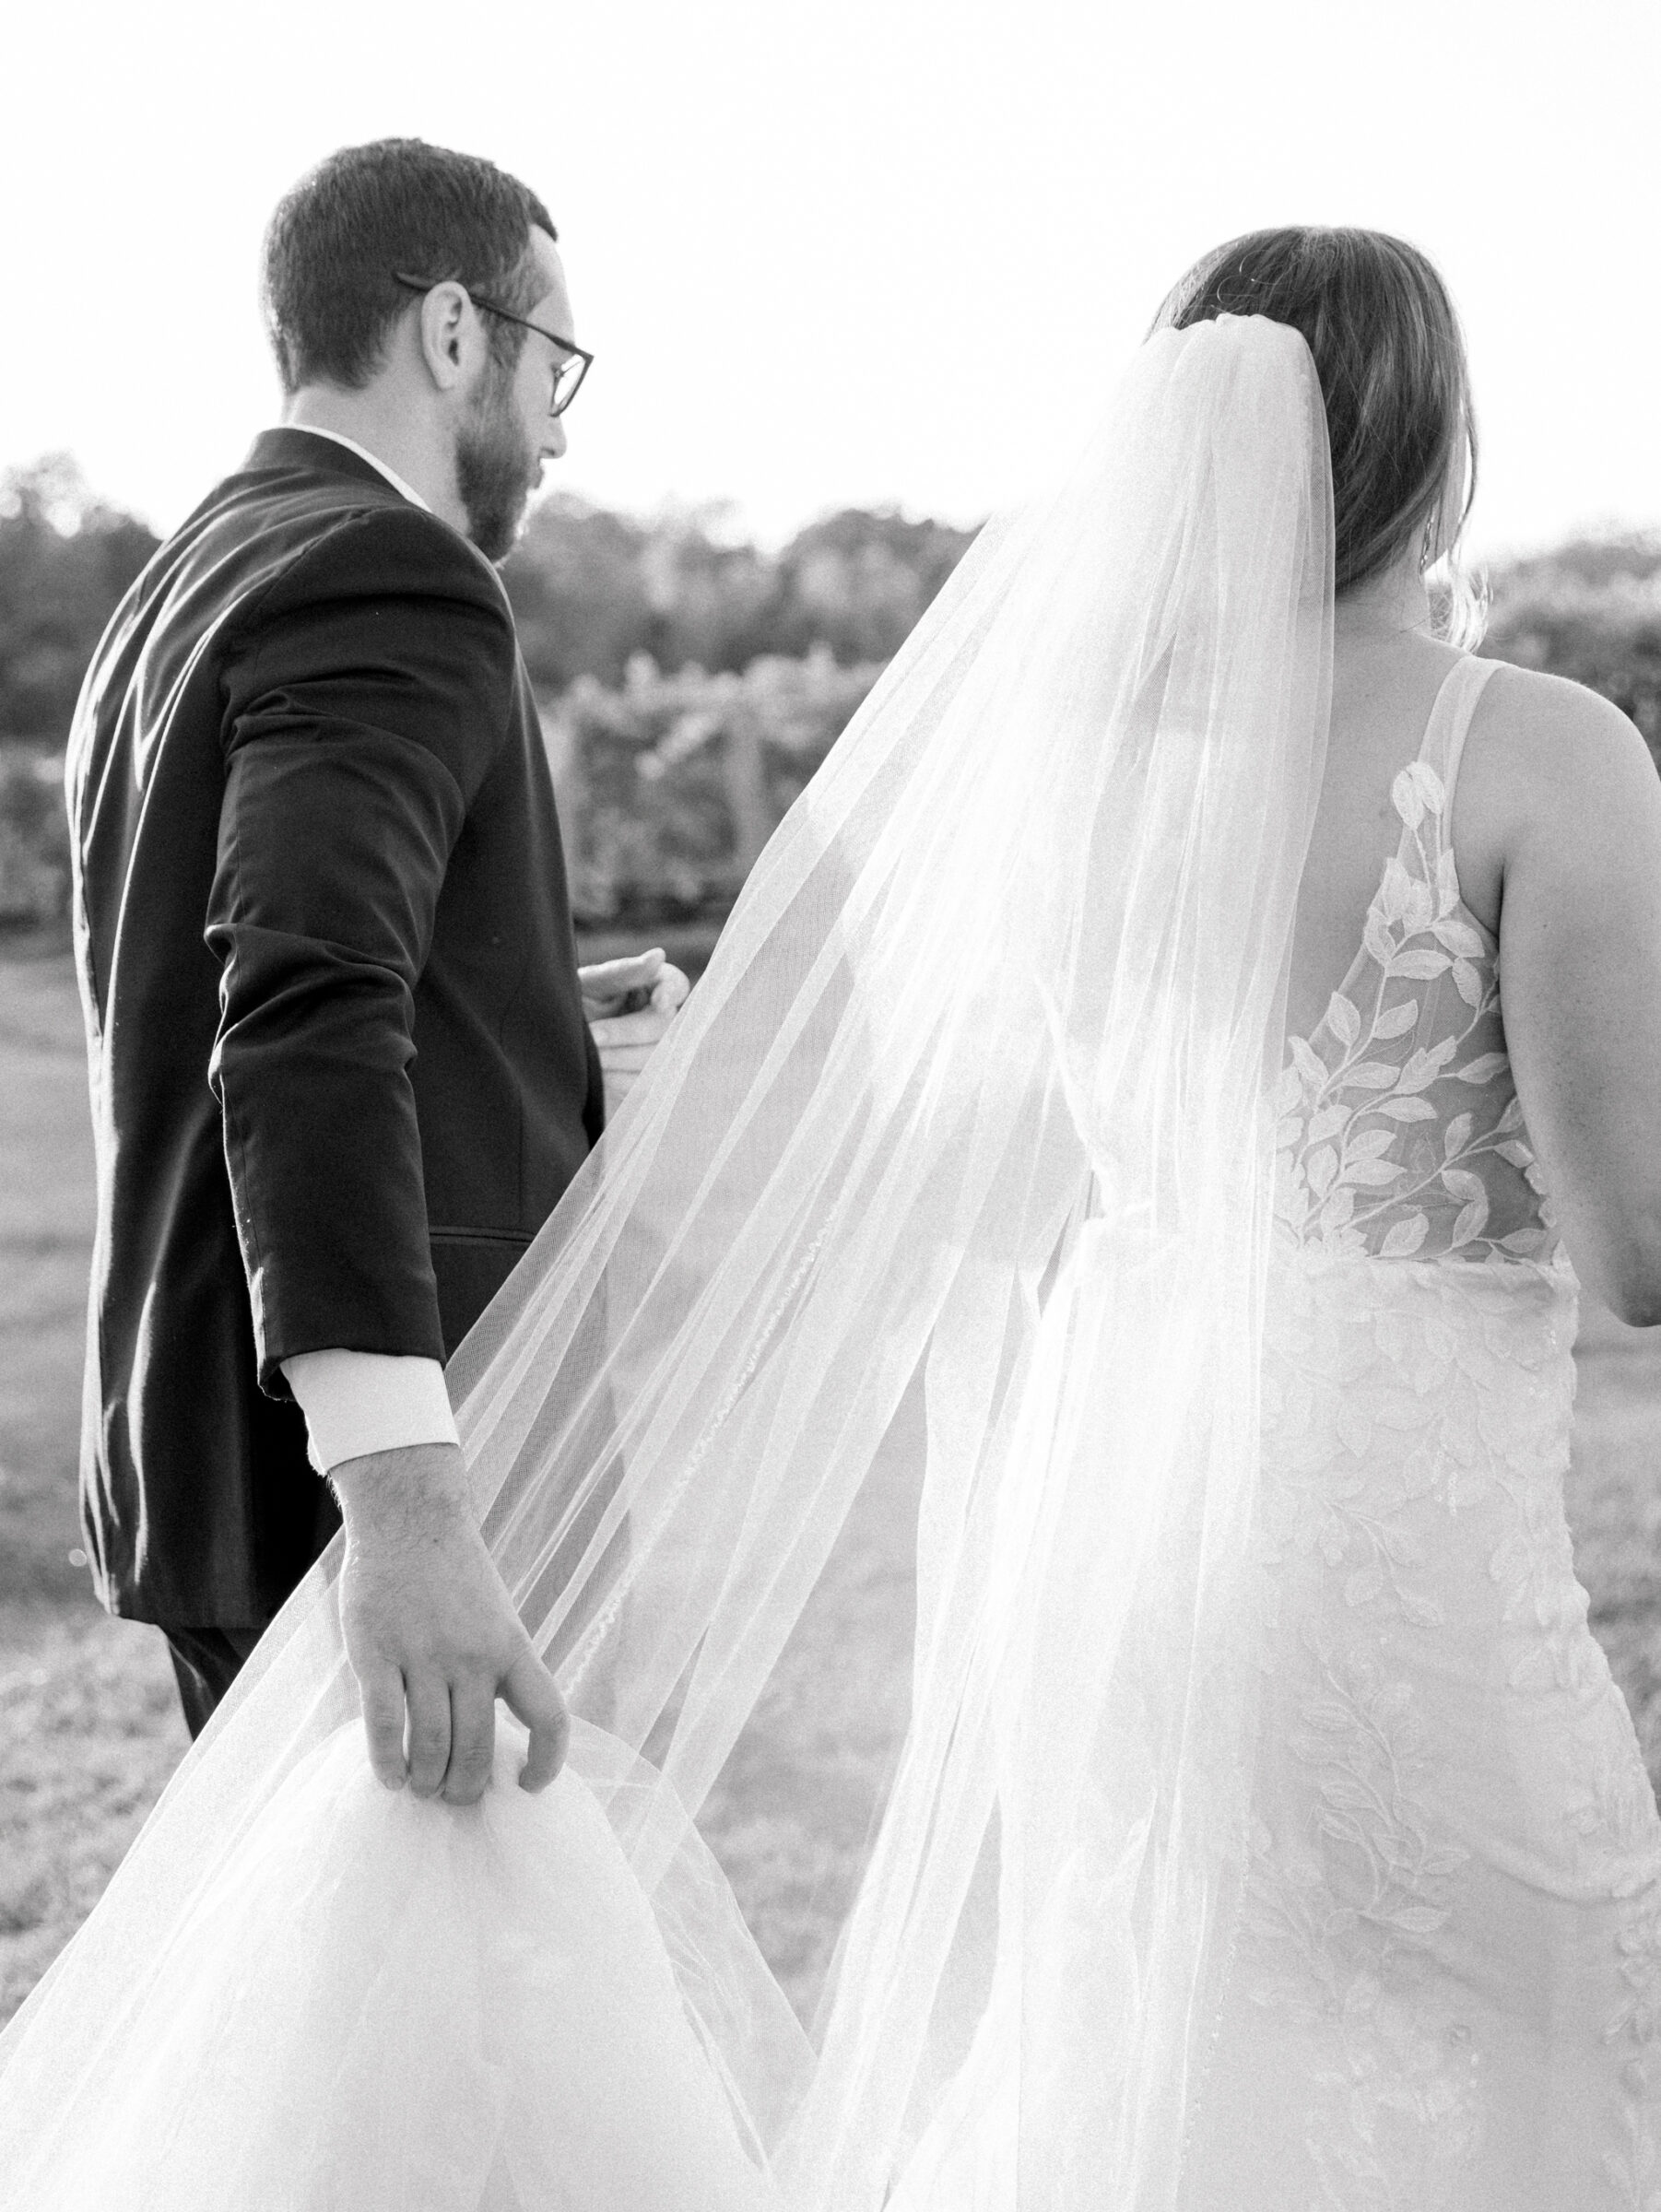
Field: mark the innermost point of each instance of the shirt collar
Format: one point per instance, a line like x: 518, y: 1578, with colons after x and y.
x: 312, y: 430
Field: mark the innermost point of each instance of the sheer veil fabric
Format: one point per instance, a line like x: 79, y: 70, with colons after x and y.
x: 977, y: 1096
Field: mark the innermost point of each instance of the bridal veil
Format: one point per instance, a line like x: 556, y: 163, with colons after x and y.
x: 973, y: 1105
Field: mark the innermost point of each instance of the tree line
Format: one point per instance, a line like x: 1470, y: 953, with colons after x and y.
x: 592, y: 591
x: 691, y: 681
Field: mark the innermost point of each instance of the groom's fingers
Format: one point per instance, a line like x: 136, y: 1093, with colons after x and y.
x: 608, y: 985
x: 472, y: 1740
x: 643, y: 1028
x: 624, y: 973
x: 429, y: 1734
x: 672, y: 989
x: 532, y: 1692
x: 381, y: 1690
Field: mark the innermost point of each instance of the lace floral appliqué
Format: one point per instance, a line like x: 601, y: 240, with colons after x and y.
x: 1399, y: 1132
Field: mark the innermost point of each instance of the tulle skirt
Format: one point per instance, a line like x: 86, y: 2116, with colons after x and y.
x: 389, y: 2005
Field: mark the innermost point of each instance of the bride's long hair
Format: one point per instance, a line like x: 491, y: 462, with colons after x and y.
x: 1390, y: 357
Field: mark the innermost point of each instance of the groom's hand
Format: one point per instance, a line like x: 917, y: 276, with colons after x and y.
x: 630, y: 1005
x: 432, y: 1632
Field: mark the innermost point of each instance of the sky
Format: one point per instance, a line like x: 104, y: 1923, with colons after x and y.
x: 867, y: 253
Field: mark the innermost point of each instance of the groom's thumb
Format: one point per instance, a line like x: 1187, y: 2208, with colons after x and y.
x: 532, y: 1692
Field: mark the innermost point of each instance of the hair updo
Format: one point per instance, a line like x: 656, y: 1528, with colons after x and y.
x: 1390, y: 357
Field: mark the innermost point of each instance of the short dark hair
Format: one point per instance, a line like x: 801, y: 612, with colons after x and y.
x: 1391, y: 361
x: 398, y: 203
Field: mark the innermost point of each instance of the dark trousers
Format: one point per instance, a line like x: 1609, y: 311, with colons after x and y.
x: 205, y: 1663
x: 207, y: 1660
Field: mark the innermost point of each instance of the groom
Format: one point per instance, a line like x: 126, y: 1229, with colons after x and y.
x: 341, y: 1071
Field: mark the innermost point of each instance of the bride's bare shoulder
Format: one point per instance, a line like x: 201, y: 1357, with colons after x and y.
x: 1543, y: 755
x: 1527, y: 709
x: 1548, y: 729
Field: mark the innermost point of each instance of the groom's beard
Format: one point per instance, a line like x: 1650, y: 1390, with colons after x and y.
x: 496, y: 468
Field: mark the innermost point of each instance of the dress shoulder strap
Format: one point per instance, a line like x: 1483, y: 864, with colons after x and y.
x: 1450, y: 720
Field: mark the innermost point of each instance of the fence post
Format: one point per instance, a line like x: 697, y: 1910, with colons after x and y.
x: 744, y: 771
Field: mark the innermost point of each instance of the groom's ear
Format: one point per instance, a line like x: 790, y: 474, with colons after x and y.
x: 448, y: 333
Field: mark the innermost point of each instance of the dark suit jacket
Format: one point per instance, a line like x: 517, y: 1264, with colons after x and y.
x: 341, y: 1072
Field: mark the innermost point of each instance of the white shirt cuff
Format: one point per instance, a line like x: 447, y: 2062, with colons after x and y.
x: 360, y: 1402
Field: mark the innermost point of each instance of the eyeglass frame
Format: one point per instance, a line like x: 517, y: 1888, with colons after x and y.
x: 490, y: 307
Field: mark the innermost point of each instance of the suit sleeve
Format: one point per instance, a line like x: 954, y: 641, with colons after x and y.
x: 366, y: 697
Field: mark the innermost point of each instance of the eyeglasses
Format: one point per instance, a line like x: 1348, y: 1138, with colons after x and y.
x: 568, y: 373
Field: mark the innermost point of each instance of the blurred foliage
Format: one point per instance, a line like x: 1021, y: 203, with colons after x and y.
x: 1589, y: 609
x: 34, y: 838
x: 670, y: 785
x: 691, y: 682
x: 591, y: 589
x: 66, y: 559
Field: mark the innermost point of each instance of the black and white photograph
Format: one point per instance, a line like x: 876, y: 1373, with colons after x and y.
x: 831, y: 1108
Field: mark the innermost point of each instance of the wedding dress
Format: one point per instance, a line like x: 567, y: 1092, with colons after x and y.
x: 1267, y: 1831
x: 1447, y: 1988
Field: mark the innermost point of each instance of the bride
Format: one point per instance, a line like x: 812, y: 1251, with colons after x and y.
x: 1106, y: 1057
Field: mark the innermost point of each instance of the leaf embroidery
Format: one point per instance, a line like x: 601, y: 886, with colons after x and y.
x: 1374, y: 1172
x: 1458, y: 936
x: 1423, y: 966
x: 1427, y: 783
x: 1395, y: 890
x: 1424, y: 1066
x: 1359, y: 1168
x: 1469, y: 1222
x: 1407, y: 1109
x: 1338, y: 1209
x: 1468, y: 982
x: 1397, y: 1021
x: 1408, y: 800
x: 1524, y: 1240
x: 1447, y: 881
x: 1456, y: 1137
x: 1420, y: 908
x: 1403, y: 1238
x: 1308, y: 1066
x: 1483, y: 1068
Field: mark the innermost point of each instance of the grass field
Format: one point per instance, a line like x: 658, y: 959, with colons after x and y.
x: 90, y: 1728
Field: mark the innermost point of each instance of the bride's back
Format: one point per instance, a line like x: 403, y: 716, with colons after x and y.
x: 1400, y: 1133
x: 1548, y: 834
x: 1456, y: 1862
x: 1386, y: 679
